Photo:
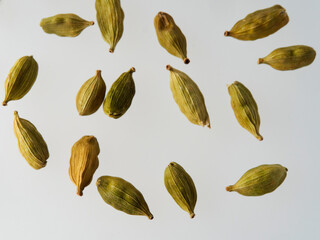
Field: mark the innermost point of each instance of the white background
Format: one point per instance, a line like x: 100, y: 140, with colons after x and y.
x: 137, y: 147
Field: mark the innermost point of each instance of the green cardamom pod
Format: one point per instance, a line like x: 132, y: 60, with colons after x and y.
x: 181, y: 187
x: 123, y: 196
x: 91, y: 95
x: 120, y: 95
x: 31, y: 144
x: 245, y: 108
x: 289, y: 58
x: 65, y: 25
x: 170, y: 36
x: 110, y: 18
x: 20, y: 79
x: 259, y: 24
x: 189, y: 98
x: 84, y: 162
x: 260, y: 180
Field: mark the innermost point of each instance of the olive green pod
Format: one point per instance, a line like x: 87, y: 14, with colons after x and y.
x: 31, y: 143
x: 110, y: 17
x: 260, y: 180
x: 170, y: 36
x: 65, y: 25
x: 259, y: 24
x: 20, y: 79
x: 289, y: 58
x: 189, y: 98
x: 245, y: 108
x: 120, y: 95
x: 123, y: 196
x: 181, y: 187
x: 91, y: 95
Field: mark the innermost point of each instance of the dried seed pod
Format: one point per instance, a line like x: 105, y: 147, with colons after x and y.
x: 259, y: 24
x: 260, y: 180
x: 123, y: 196
x: 181, y: 187
x: 65, y: 25
x: 91, y: 95
x: 170, y: 36
x: 84, y: 162
x: 20, y: 79
x: 31, y: 144
x: 120, y: 95
x: 245, y: 108
x: 189, y: 98
x: 110, y: 18
x: 289, y: 58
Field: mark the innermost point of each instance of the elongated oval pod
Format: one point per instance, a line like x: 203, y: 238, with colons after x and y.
x: 189, y: 98
x: 260, y: 180
x: 170, y: 36
x: 20, y: 79
x: 259, y: 24
x: 181, y: 187
x: 245, y: 108
x: 290, y: 58
x: 123, y: 196
x: 31, y: 143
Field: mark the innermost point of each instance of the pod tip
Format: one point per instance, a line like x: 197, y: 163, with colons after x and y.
x: 259, y: 137
x: 150, y: 216
x: 229, y: 188
x: 186, y: 60
x: 132, y: 69
x: 98, y: 72
x: 192, y: 215
x: 260, y: 60
x: 79, y: 192
x: 226, y: 33
x: 168, y: 67
x: 4, y: 103
x: 92, y: 23
x: 111, y: 50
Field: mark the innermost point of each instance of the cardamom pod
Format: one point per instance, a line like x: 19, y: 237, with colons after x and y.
x: 65, y: 25
x: 84, y: 162
x: 91, y: 95
x: 110, y: 18
x: 170, y: 36
x: 31, y: 144
x: 189, y: 98
x: 245, y: 108
x: 120, y: 95
x: 259, y: 24
x: 289, y: 58
x: 20, y: 79
x: 181, y: 187
x: 123, y: 196
x: 260, y: 180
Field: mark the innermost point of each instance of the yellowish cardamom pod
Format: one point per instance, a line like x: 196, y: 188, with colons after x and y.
x: 91, y: 95
x: 181, y: 187
x: 245, y: 108
x: 189, y: 98
x: 31, y: 144
x: 65, y: 25
x: 110, y: 18
x: 123, y: 196
x: 289, y: 58
x: 259, y: 24
x: 170, y: 36
x: 20, y: 79
x: 120, y: 95
x: 260, y: 180
x: 84, y: 162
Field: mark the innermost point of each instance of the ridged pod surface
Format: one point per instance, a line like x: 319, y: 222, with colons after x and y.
x: 170, y: 36
x: 84, y: 162
x: 260, y: 180
x: 123, y: 196
x: 31, y: 143
x: 181, y: 187
x: 110, y: 17
x: 20, y: 79
x: 120, y: 95
x: 65, y: 25
x: 245, y: 108
x: 189, y: 98
x: 290, y: 58
x: 91, y: 95
x: 259, y: 24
